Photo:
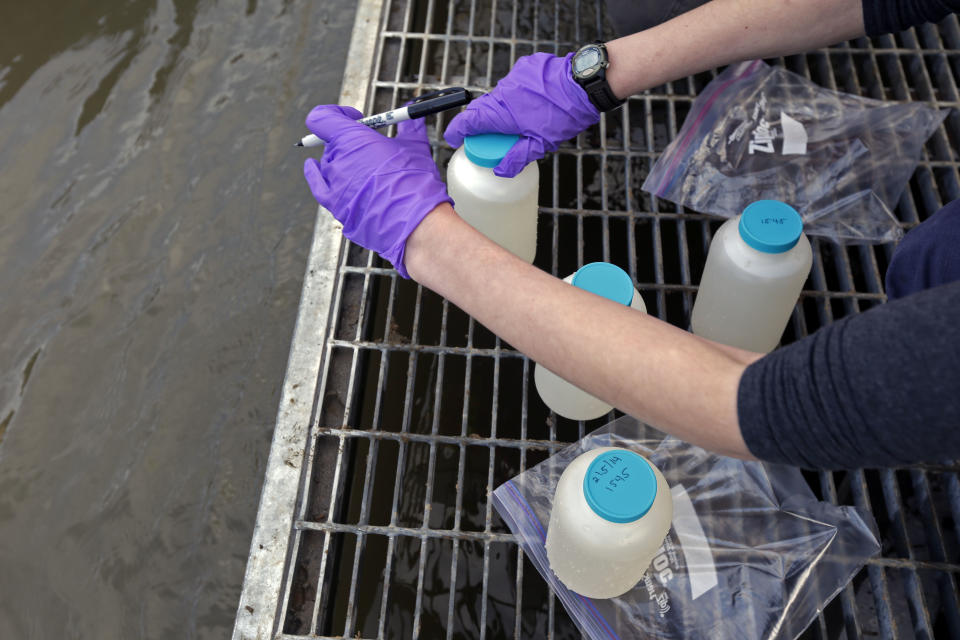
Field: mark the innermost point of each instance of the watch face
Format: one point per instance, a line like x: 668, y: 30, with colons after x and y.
x: 587, y: 61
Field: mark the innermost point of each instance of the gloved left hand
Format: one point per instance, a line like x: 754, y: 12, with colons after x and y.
x: 379, y: 188
x: 539, y: 100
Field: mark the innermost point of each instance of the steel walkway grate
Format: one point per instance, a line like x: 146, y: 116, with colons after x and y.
x: 416, y: 412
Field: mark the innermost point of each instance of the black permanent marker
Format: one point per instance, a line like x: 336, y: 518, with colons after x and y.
x: 422, y: 107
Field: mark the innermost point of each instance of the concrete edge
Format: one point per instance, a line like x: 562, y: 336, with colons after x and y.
x: 259, y: 611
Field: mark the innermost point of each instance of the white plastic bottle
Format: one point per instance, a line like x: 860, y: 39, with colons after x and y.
x: 611, y: 511
x: 755, y: 270
x: 503, y: 209
x: 565, y: 399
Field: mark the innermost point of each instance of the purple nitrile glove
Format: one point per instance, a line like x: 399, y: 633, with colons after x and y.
x: 538, y: 100
x: 379, y: 188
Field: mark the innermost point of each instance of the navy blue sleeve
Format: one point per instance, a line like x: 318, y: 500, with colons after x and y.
x: 880, y: 388
x: 891, y: 16
x: 928, y: 256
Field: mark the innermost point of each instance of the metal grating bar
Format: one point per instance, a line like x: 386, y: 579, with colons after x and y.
x: 417, y: 412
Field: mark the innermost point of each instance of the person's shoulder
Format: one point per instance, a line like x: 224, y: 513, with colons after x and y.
x: 947, y: 294
x: 930, y: 317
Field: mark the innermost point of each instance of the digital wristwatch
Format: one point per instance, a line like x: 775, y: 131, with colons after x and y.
x: 589, y: 67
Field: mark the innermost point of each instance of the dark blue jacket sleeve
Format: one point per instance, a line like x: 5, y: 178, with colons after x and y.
x: 880, y: 388
x: 891, y: 16
x: 928, y: 256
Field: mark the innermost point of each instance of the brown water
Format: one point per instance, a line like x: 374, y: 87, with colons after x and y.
x: 153, y: 234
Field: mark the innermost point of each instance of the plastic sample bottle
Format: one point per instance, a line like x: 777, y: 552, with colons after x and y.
x: 755, y: 270
x: 503, y: 209
x: 565, y: 399
x: 611, y: 511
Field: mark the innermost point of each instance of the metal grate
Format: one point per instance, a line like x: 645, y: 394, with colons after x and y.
x: 401, y: 414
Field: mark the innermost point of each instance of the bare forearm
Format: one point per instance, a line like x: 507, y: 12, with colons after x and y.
x: 725, y: 31
x: 667, y: 377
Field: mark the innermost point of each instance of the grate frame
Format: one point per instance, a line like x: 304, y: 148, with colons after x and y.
x: 408, y: 395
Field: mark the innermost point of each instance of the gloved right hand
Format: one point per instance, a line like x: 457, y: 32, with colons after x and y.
x: 380, y: 188
x: 539, y: 100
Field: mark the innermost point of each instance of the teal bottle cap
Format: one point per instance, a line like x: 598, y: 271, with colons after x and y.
x: 488, y: 149
x: 770, y: 226
x: 607, y: 280
x: 620, y: 486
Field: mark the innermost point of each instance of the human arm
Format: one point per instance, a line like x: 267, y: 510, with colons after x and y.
x: 676, y: 381
x: 875, y: 389
x: 725, y: 31
x: 540, y: 101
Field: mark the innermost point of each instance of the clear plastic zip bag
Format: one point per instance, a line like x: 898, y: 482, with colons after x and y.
x: 759, y: 132
x: 751, y: 553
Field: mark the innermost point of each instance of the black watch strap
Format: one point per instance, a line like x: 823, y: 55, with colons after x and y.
x: 601, y: 96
